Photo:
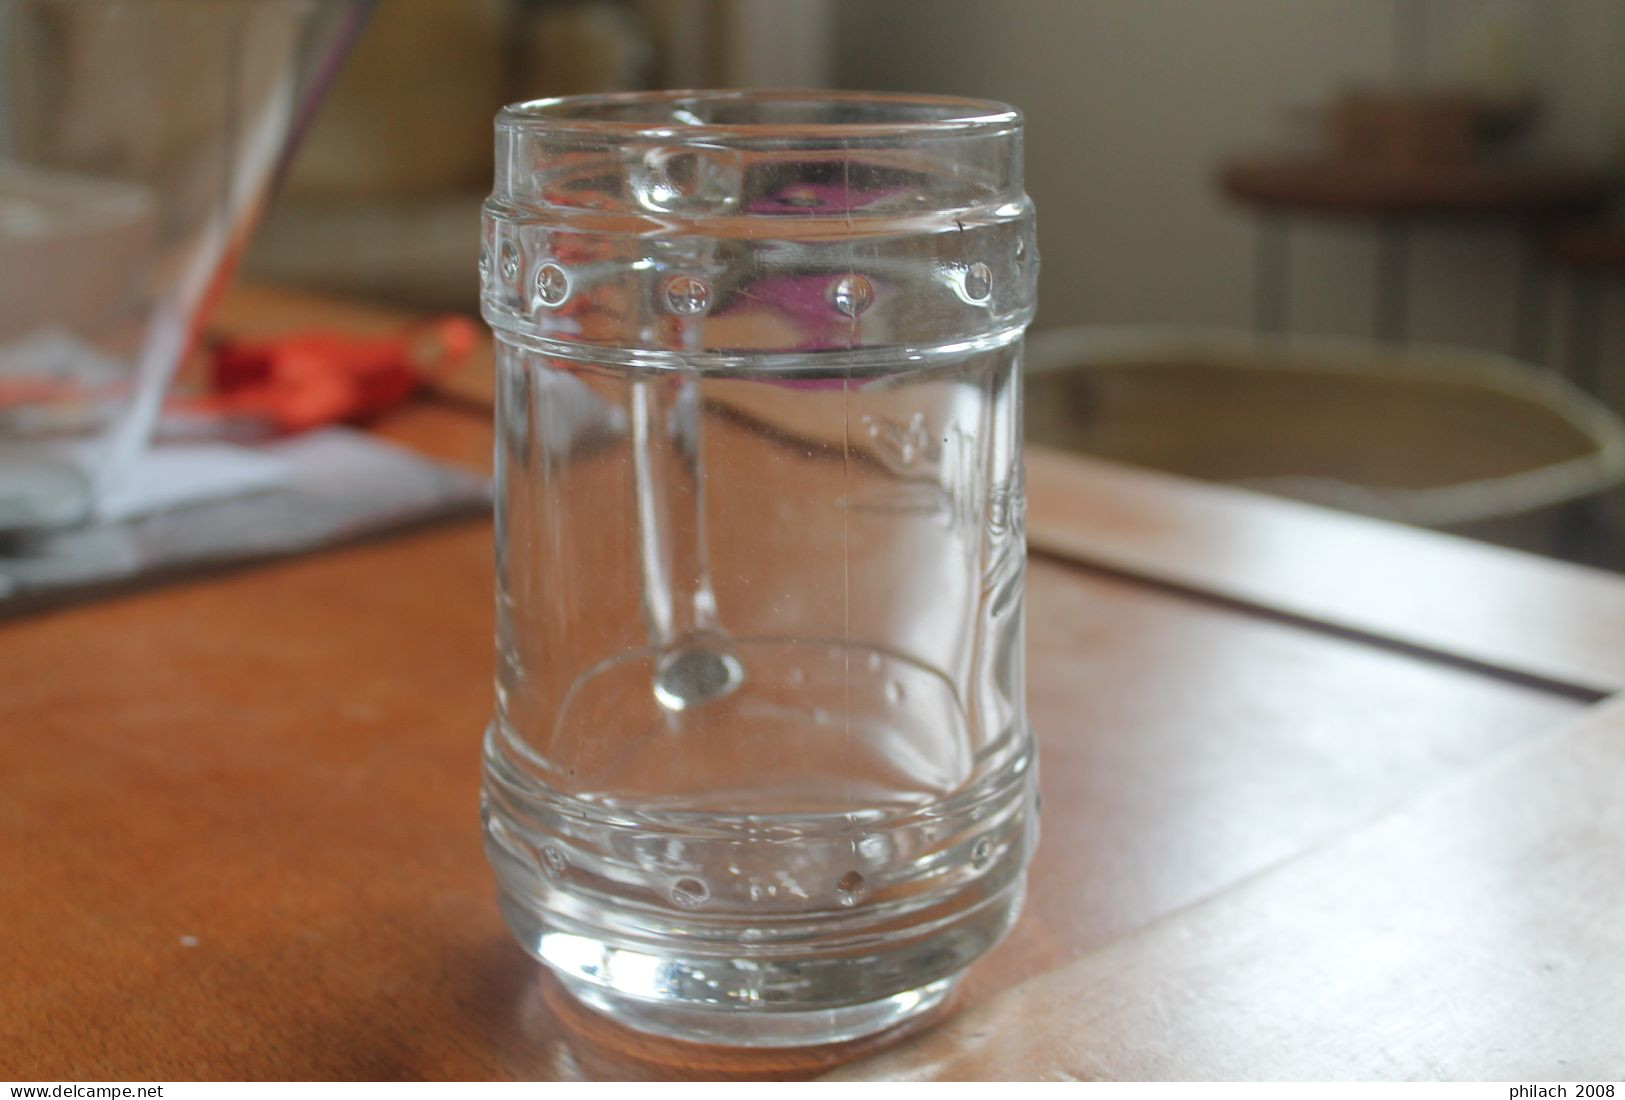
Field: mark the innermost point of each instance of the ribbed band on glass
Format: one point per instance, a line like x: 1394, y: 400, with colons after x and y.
x: 696, y: 228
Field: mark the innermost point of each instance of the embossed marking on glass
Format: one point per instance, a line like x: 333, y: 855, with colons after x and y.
x: 760, y: 771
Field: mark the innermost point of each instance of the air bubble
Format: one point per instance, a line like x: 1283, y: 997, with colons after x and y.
x: 982, y: 852
x: 978, y: 282
x: 690, y: 892
x: 1021, y: 249
x: 687, y: 295
x: 554, y: 860
x: 510, y: 263
x: 850, y: 888
x: 552, y: 284
x: 851, y: 294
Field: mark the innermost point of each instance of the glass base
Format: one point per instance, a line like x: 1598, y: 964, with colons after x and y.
x: 722, y: 934
x: 721, y: 1027
x: 805, y: 1000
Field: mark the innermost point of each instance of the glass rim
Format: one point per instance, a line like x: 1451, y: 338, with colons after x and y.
x: 592, y: 115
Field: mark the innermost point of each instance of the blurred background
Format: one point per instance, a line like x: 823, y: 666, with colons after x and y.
x: 1367, y: 254
x: 1363, y: 253
x: 1131, y: 105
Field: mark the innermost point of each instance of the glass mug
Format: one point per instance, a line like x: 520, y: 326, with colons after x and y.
x: 760, y: 771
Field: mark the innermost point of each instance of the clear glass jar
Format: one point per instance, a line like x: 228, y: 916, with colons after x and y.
x: 760, y: 771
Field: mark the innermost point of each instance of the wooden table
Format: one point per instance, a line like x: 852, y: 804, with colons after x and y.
x: 1395, y: 198
x: 1323, y: 797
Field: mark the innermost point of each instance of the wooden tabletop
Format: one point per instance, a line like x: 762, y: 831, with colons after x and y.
x: 1323, y: 798
x: 1333, y: 186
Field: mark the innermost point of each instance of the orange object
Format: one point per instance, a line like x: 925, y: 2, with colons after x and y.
x: 315, y: 377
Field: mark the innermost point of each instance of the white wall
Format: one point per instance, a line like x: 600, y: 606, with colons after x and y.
x: 1132, y: 103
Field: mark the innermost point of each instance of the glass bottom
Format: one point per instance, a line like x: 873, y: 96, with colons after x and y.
x: 816, y: 1027
x: 758, y: 930
x: 804, y: 997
